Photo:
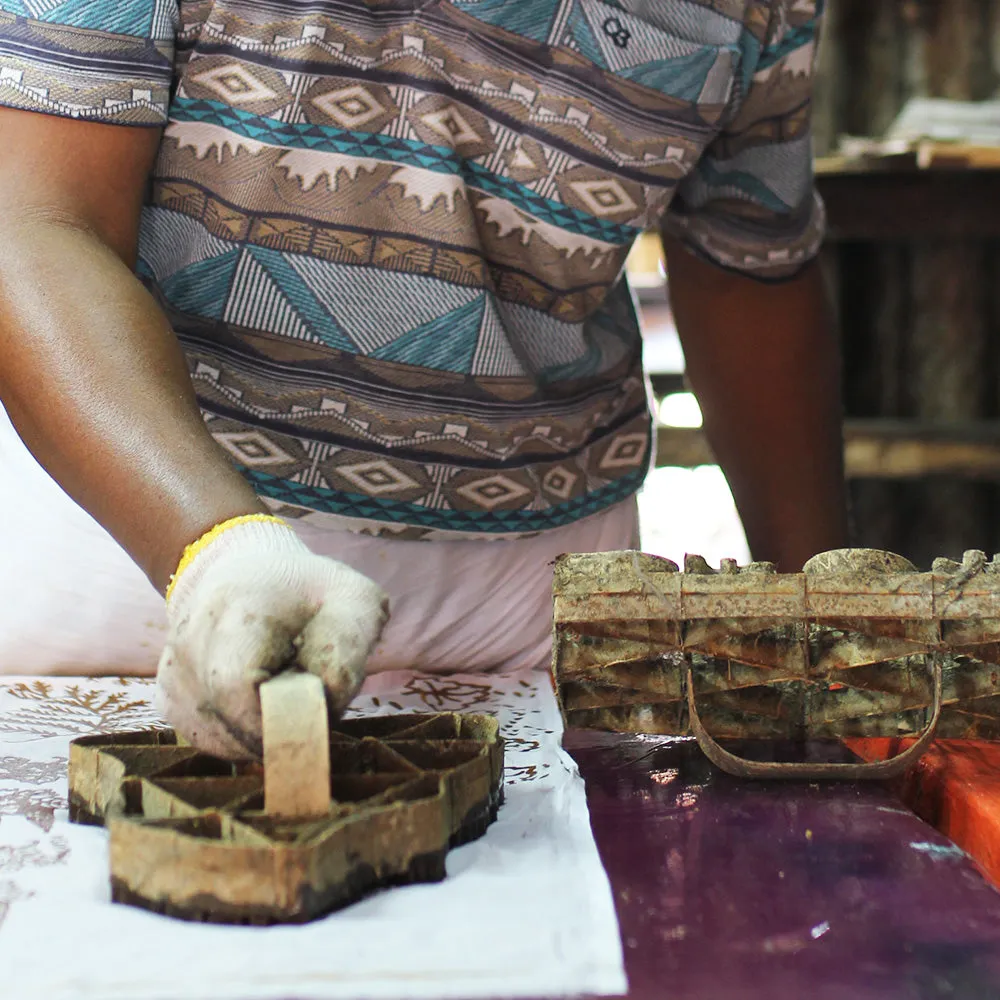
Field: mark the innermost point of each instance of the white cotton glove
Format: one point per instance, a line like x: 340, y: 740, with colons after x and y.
x: 252, y: 601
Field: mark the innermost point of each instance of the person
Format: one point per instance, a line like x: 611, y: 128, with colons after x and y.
x: 320, y: 309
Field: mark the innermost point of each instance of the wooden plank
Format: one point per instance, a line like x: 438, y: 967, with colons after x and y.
x: 667, y: 383
x: 729, y: 889
x: 946, y: 368
x: 683, y: 447
x: 877, y: 449
x: 884, y: 157
x: 955, y: 787
x: 912, y: 205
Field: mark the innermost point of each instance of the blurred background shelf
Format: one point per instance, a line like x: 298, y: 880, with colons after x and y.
x: 877, y: 449
x: 899, y: 204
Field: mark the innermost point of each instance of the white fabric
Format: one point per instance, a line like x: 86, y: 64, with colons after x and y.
x: 72, y: 602
x: 525, y: 911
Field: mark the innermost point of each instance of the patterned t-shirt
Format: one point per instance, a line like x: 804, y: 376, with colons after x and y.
x: 390, y: 234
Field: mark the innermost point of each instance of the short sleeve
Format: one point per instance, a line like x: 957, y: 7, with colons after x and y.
x: 107, y: 61
x: 750, y: 205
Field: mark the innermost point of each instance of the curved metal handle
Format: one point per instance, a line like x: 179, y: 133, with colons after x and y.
x: 743, y: 768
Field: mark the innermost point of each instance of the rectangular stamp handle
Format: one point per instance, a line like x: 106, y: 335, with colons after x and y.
x: 296, y: 746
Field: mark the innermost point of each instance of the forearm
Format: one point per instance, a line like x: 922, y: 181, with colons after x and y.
x: 96, y: 385
x: 764, y: 363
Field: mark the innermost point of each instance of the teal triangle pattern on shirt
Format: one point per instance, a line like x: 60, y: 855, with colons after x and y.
x: 530, y: 18
x: 578, y: 28
x: 15, y: 7
x: 447, y: 343
x: 301, y: 298
x: 200, y: 289
x: 124, y: 17
x: 682, y: 77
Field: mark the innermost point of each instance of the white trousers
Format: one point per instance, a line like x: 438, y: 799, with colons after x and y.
x: 72, y: 602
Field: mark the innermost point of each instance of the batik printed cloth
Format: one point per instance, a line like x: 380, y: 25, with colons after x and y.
x: 391, y: 234
x: 526, y: 911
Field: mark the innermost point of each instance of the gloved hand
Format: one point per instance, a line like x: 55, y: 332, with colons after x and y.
x: 248, y: 600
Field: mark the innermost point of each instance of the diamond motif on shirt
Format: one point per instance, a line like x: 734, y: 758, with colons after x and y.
x: 625, y: 450
x: 252, y: 448
x: 491, y: 492
x: 560, y: 482
x: 448, y: 122
x: 604, y: 197
x: 349, y: 107
x: 235, y: 84
x: 376, y: 478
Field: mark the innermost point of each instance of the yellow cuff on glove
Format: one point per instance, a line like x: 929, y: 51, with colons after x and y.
x: 200, y: 544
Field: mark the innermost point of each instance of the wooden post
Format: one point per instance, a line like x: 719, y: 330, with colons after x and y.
x: 947, y: 382
x: 919, y: 329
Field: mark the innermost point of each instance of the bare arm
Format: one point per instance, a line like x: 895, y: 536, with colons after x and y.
x: 90, y: 372
x: 765, y: 365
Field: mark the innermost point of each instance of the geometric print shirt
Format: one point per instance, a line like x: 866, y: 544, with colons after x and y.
x: 390, y: 234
